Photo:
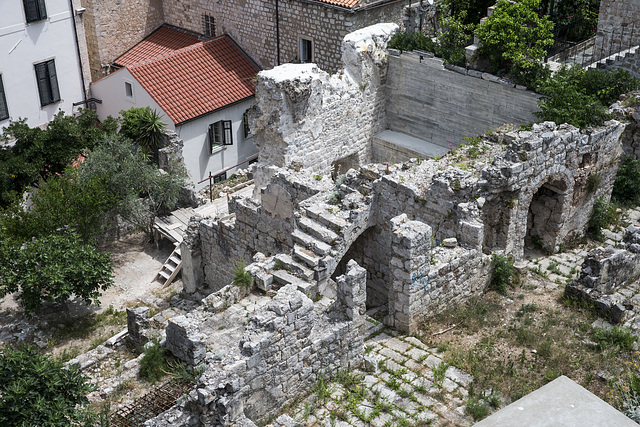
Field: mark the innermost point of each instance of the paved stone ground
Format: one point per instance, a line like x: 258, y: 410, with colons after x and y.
x: 403, y: 383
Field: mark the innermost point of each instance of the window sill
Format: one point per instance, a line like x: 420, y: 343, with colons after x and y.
x: 218, y: 149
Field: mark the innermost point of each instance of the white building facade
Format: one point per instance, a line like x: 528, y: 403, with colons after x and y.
x: 40, y: 71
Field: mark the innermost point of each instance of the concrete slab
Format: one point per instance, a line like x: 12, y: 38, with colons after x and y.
x: 562, y: 402
x: 421, y: 147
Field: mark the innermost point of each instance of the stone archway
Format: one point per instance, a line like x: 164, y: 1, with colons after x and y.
x: 544, y: 215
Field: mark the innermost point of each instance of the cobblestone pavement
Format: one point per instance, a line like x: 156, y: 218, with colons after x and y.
x: 402, y: 383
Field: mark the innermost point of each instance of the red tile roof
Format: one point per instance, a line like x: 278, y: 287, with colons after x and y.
x: 161, y: 42
x: 198, y: 79
x: 342, y: 3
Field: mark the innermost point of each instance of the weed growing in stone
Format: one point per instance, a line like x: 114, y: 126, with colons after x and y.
x: 438, y: 373
x: 503, y: 273
x: 154, y: 363
x: 242, y: 278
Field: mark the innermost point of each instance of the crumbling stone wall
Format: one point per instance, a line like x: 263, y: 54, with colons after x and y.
x: 606, y: 272
x: 310, y: 119
x: 282, y: 350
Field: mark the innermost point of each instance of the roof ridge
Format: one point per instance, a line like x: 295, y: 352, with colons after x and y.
x: 184, y: 49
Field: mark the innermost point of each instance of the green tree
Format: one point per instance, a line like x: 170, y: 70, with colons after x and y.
x: 144, y: 126
x: 51, y: 269
x: 38, y: 391
x: 39, y: 153
x: 142, y: 190
x: 515, y: 34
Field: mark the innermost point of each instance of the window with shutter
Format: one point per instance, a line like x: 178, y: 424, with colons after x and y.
x: 220, y: 133
x: 245, y: 124
x: 47, y: 82
x: 34, y: 10
x: 4, y: 111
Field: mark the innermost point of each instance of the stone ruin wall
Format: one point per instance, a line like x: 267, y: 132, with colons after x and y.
x: 308, y: 119
x: 282, y: 351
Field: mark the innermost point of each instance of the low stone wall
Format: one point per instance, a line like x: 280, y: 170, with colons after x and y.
x: 607, y: 271
x: 280, y: 354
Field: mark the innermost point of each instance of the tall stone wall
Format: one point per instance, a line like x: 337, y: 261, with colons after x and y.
x: 309, y: 120
x: 442, y: 106
x: 618, y: 25
x: 113, y: 26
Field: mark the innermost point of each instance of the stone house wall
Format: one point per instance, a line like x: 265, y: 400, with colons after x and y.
x: 252, y: 23
x: 113, y: 26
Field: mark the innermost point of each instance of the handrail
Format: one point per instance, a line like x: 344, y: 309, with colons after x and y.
x: 211, y: 176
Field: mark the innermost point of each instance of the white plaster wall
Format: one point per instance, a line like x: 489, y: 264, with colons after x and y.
x: 111, y: 90
x: 22, y: 45
x: 197, y: 157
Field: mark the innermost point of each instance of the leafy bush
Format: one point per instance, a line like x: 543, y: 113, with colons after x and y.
x: 144, y: 126
x: 242, y: 278
x: 477, y: 409
x: 515, y: 34
x: 604, y: 214
x: 503, y: 273
x: 581, y: 97
x: 38, y: 391
x: 154, y: 364
x: 627, y: 184
x: 53, y: 268
x: 530, y: 75
x: 620, y: 338
x: 470, y: 11
x: 411, y: 41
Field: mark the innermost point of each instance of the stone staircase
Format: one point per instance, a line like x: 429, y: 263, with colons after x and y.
x: 623, y: 55
x: 170, y: 268
x: 324, y: 234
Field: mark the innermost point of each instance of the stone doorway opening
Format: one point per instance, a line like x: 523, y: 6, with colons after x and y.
x: 544, y: 217
x: 365, y: 250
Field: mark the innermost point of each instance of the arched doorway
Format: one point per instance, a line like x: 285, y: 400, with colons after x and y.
x: 544, y: 217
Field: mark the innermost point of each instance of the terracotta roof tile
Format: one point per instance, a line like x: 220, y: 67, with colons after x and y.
x: 161, y: 42
x: 342, y: 3
x: 198, y: 79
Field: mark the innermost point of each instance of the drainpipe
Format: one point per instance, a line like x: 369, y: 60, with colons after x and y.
x: 277, y: 32
x: 75, y: 36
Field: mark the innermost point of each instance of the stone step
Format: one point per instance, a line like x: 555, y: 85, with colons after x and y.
x: 294, y: 267
x: 285, y: 278
x: 309, y: 242
x: 322, y: 214
x: 307, y: 256
x: 317, y: 230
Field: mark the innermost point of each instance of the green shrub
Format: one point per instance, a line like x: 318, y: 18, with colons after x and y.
x: 503, y: 273
x: 411, y: 41
x: 604, y: 214
x: 154, y: 364
x: 581, y: 97
x: 477, y: 409
x: 618, y: 337
x: 242, y: 278
x: 627, y: 184
x: 515, y: 34
x: 530, y: 74
x: 144, y: 126
x: 38, y: 391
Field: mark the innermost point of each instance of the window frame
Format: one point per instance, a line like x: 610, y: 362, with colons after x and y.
x: 47, y: 82
x: 34, y: 10
x: 245, y: 124
x: 208, y: 25
x: 220, y: 134
x: 128, y: 84
x: 3, y: 101
x: 301, y: 47
x: 220, y: 177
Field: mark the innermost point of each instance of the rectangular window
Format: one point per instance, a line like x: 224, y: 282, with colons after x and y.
x: 208, y: 25
x: 306, y: 54
x: 34, y: 10
x: 220, y: 134
x: 128, y: 90
x: 220, y: 177
x: 47, y: 82
x: 4, y: 111
x: 245, y: 124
